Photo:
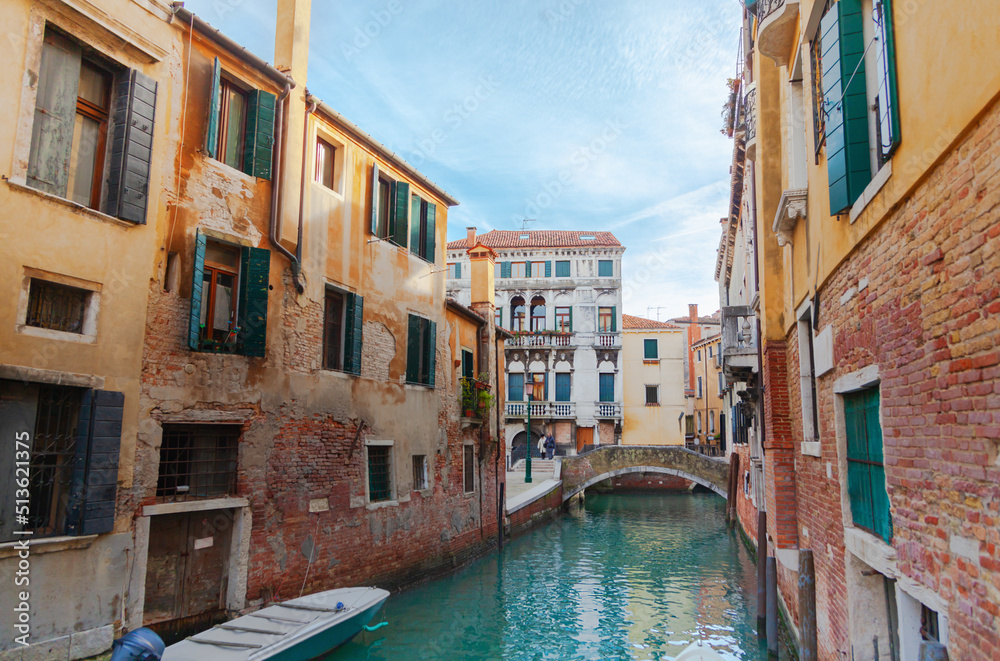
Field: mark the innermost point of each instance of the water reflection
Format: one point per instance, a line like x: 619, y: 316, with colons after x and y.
x: 627, y: 577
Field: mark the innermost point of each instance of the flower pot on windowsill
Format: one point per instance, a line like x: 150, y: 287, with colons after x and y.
x: 467, y: 413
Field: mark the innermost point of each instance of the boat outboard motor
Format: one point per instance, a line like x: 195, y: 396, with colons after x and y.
x: 140, y: 645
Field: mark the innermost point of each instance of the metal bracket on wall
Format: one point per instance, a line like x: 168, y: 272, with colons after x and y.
x: 357, y: 437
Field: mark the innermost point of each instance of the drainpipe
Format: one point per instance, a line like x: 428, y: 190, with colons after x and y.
x: 277, y: 178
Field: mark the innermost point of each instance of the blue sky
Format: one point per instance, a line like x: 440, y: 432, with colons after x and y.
x: 581, y: 114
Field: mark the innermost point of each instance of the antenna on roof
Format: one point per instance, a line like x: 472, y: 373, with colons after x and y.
x: 651, y: 307
x: 524, y: 223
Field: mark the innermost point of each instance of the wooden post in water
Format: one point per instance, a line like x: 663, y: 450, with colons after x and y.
x: 772, y: 605
x: 761, y: 573
x: 807, y: 607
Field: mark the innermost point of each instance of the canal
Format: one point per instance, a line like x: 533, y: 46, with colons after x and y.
x: 625, y: 577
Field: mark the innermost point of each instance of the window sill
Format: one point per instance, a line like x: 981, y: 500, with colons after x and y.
x: 79, y: 208
x: 412, y: 385
x: 195, y: 506
x: 381, y: 504
x: 650, y: 361
x: 50, y: 334
x: 47, y: 545
x: 873, y: 187
x: 652, y: 403
x: 342, y: 374
x: 811, y: 449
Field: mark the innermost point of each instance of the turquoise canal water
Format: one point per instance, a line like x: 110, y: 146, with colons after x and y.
x: 625, y: 577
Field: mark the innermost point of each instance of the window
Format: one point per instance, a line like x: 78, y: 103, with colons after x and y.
x: 518, y: 270
x: 605, y: 268
x: 455, y: 270
x: 607, y: 387
x: 421, y: 348
x: 198, y: 461
x: 862, y: 116
x: 930, y: 629
x: 73, y: 118
x: 229, y: 298
x: 540, y: 269
x: 422, y: 239
x: 699, y: 387
x: 538, y: 386
x: 564, y: 319
x: 537, y: 314
x: 698, y: 355
x: 384, y: 205
x: 807, y: 378
x: 469, y: 469
x: 498, y: 317
x: 515, y: 387
x: 232, y: 124
x: 698, y: 417
x: 709, y: 349
x: 652, y: 395
x: 419, y: 472
x: 57, y: 307
x: 325, y: 159
x: 606, y: 322
x: 468, y: 365
x: 240, y: 125
x: 563, y: 381
x: 562, y: 269
x: 865, y: 469
x: 379, y: 473
x: 689, y: 425
x: 722, y: 383
x: 391, y: 208
x: 711, y: 422
x: 517, y: 312
x: 650, y: 350
x: 342, y: 323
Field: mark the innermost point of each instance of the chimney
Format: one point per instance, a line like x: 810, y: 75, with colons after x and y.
x: 481, y: 263
x: 471, y: 236
x: 693, y: 311
x: 291, y: 39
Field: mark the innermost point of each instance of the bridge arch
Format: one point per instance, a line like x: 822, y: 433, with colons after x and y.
x: 569, y: 493
x: 584, y: 470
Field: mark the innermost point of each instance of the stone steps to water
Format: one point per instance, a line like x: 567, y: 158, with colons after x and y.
x: 537, y: 466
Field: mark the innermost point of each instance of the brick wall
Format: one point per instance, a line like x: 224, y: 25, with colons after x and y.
x: 646, y: 482
x: 745, y: 509
x: 780, y: 464
x: 542, y: 509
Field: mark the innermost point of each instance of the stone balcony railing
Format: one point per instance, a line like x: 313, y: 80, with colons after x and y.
x: 559, y: 340
x: 739, y: 341
x: 609, y: 340
x: 541, y: 409
x: 608, y: 409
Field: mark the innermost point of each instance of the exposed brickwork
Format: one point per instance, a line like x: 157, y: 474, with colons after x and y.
x: 646, y: 482
x: 378, y: 351
x: 780, y: 464
x: 536, y: 512
x: 745, y: 509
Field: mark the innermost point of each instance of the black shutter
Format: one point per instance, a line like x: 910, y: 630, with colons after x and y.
x: 197, y: 275
x: 430, y: 351
x: 255, y: 266
x: 413, y: 349
x: 131, y: 146
x: 259, y: 135
x: 354, y: 323
x: 94, y: 486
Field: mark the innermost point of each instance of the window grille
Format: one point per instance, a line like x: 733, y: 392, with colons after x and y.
x: 198, y: 461
x: 470, y: 469
x: 56, y: 307
x: 53, y: 450
x: 419, y: 472
x: 379, y: 482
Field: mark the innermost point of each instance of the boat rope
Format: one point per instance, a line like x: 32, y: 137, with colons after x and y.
x: 376, y: 627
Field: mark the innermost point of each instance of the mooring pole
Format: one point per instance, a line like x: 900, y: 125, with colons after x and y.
x: 761, y: 573
x: 503, y: 487
x: 772, y: 605
x: 807, y: 606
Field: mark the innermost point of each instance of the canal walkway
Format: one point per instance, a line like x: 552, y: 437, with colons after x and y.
x: 543, y: 477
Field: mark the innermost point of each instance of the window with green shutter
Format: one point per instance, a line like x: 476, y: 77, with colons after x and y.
x: 886, y: 101
x: 400, y: 222
x: 563, y: 381
x: 504, y: 269
x: 515, y: 387
x: 606, y: 385
x: 605, y: 268
x: 562, y: 269
x: 421, y: 349
x: 423, y: 228
x: 240, y: 128
x: 865, y: 464
x: 354, y: 319
x: 650, y: 350
x: 548, y: 269
x: 259, y: 134
x: 846, y: 104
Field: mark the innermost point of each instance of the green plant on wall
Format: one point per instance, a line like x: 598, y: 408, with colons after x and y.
x: 467, y: 399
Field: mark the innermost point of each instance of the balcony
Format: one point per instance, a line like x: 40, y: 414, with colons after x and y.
x: 739, y: 342
x: 541, y: 410
x: 750, y: 118
x: 540, y: 339
x: 608, y: 409
x: 609, y: 340
x: 778, y: 21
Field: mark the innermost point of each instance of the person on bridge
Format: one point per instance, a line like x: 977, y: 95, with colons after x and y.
x: 550, y: 445
x: 541, y: 447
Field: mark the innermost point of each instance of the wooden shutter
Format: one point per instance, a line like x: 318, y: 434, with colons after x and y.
x: 548, y: 269
x: 848, y: 165
x: 255, y: 265
x: 504, y: 269
x: 415, y: 222
x: 430, y: 351
x: 881, y: 515
x: 614, y: 319
x: 258, y: 138
x: 55, y: 115
x: 131, y: 146
x: 888, y: 102
x: 401, y: 208
x: 374, y: 200
x: 214, y: 107
x: 527, y: 269
x: 197, y: 274
x: 430, y: 239
x: 353, y: 333
x: 458, y: 270
x: 94, y: 484
x: 413, y: 348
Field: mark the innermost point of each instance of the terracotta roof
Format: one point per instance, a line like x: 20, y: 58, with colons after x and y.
x: 629, y: 323
x: 538, y: 239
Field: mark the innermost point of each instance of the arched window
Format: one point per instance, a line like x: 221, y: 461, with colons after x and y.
x: 517, y: 314
x: 537, y: 314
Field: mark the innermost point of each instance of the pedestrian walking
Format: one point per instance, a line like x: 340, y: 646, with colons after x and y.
x: 541, y: 447
x: 550, y: 445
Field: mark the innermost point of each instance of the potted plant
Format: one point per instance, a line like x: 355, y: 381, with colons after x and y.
x: 467, y: 400
x: 486, y: 400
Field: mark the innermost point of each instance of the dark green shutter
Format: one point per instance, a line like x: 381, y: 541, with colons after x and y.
x: 430, y: 351
x: 255, y: 266
x: 562, y: 269
x: 415, y: 221
x: 504, y: 269
x: 548, y: 269
x: 94, y: 483
x: 353, y: 332
x: 571, y: 318
x: 413, y: 348
x: 197, y: 275
x: 865, y: 470
x: 614, y: 319
x: 374, y: 200
x: 214, y: 107
x: 401, y: 225
x: 258, y: 138
x: 430, y: 239
x: 888, y: 100
x: 131, y: 146
x: 458, y: 270
x: 848, y: 165
x: 650, y: 351
x: 527, y: 269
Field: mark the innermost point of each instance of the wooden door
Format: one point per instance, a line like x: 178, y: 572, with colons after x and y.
x: 584, y: 436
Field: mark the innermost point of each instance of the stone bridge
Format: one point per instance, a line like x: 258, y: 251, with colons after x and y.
x: 599, y: 464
